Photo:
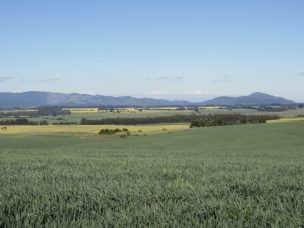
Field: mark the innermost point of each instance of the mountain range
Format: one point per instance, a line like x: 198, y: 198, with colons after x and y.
x: 35, y: 99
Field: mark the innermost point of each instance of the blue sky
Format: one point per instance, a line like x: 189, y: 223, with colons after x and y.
x: 175, y: 49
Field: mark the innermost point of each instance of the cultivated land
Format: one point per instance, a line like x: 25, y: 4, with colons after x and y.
x: 237, y: 176
x: 93, y: 129
x: 92, y: 113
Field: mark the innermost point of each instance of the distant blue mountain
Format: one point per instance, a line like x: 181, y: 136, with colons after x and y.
x: 35, y: 99
x: 253, y: 99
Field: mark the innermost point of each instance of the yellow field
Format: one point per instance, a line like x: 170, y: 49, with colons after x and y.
x: 126, y: 109
x: 163, y: 108
x: 210, y: 107
x: 131, y: 110
x: 81, y: 110
x: 284, y: 120
x: 138, y: 129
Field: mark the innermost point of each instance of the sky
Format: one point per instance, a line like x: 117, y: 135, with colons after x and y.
x: 174, y: 49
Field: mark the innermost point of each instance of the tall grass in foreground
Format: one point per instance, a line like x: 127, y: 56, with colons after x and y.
x: 236, y: 176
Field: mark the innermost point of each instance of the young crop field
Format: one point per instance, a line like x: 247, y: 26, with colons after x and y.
x: 232, y: 176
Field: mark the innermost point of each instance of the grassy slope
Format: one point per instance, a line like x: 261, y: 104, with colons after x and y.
x: 249, y: 175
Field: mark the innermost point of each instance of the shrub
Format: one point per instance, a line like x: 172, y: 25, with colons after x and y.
x: 113, y: 131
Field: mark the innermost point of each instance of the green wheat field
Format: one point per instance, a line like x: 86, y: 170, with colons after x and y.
x: 232, y: 176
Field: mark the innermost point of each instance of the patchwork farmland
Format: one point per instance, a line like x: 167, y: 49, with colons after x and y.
x: 58, y: 171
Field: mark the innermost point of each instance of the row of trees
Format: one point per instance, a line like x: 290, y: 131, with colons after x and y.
x: 22, y: 121
x: 25, y: 121
x: 142, y: 120
x: 65, y: 123
x: 195, y: 120
x: 221, y: 119
x: 272, y: 109
x: 41, y: 111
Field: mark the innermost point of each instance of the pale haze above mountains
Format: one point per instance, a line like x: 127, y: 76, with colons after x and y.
x: 35, y: 99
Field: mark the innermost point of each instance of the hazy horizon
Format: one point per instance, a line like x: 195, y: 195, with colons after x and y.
x: 176, y: 50
x: 190, y: 99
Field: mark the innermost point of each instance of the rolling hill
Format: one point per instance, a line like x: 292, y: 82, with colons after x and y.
x: 252, y: 99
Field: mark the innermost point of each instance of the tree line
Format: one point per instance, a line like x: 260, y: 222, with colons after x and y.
x: 220, y: 120
x: 22, y: 121
x: 141, y: 120
x: 199, y: 120
x: 194, y: 120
